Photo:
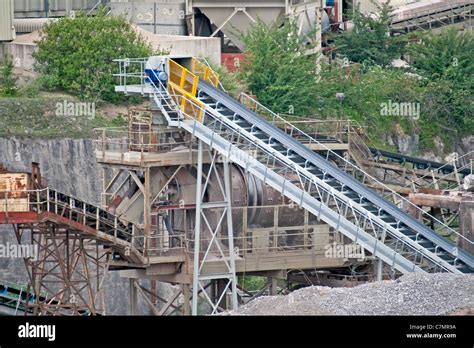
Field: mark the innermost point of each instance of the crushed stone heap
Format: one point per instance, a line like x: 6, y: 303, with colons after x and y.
x: 411, y: 294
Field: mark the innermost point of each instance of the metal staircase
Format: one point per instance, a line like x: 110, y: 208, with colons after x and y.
x: 301, y: 175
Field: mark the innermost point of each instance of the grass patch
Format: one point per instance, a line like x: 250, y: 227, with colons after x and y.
x: 37, y: 118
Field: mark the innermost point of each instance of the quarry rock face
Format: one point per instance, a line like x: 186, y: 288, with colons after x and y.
x: 468, y: 184
x: 69, y: 166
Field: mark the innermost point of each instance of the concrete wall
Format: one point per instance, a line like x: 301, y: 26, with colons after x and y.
x: 22, y: 48
x: 68, y: 165
x: 21, y: 54
x: 196, y: 46
x: 158, y: 16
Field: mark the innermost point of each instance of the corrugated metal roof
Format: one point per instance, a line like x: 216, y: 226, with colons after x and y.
x: 7, y: 32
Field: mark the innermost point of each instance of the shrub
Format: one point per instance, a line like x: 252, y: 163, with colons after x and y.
x: 277, y: 70
x: 76, y: 54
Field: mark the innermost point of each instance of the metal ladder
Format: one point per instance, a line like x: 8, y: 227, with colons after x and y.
x: 325, y: 191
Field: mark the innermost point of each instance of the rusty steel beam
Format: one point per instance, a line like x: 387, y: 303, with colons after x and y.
x: 67, y: 274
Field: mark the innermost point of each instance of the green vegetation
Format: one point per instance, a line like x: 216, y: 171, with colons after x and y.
x: 76, y: 55
x: 445, y: 62
x: 364, y: 93
x: 37, y: 118
x: 439, y: 81
x: 369, y: 43
x: 277, y: 70
x: 7, y: 78
x: 252, y: 283
x: 447, y: 56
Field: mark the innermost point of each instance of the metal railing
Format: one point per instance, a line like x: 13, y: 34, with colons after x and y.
x: 307, y: 182
x: 90, y: 216
x: 418, y: 19
x: 469, y: 164
x: 122, y: 140
x: 401, y: 201
x: 204, y: 71
x: 253, y: 154
x: 277, y: 234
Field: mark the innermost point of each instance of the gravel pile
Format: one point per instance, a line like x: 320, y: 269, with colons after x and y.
x: 411, y: 294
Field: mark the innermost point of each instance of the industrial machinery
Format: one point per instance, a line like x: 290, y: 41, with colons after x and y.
x: 201, y: 188
x: 228, y: 19
x: 193, y: 101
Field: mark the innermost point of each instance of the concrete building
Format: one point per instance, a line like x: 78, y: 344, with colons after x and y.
x: 196, y: 46
x: 22, y: 48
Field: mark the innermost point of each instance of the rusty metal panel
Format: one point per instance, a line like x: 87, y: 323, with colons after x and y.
x: 15, y: 182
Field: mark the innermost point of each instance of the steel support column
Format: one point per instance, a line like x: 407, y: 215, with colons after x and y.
x: 214, y: 246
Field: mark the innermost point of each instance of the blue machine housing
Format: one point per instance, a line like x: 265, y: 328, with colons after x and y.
x: 155, y: 76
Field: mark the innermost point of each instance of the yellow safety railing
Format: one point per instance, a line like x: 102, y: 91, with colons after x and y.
x: 204, y: 72
x: 183, y: 78
x: 182, y: 86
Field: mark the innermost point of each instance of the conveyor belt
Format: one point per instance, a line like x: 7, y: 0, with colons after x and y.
x: 338, y: 179
x: 419, y: 163
x: 306, y: 178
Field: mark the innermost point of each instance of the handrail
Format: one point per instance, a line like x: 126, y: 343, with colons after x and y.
x: 251, y: 152
x: 358, y: 169
x: 439, y: 169
x: 323, y: 189
x: 417, y: 14
x: 159, y: 90
x: 48, y: 200
x: 205, y: 71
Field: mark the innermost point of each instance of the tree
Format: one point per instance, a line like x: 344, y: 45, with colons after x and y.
x: 277, y: 70
x: 445, y: 61
x: 446, y: 55
x: 76, y: 54
x: 7, y: 78
x: 369, y: 42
